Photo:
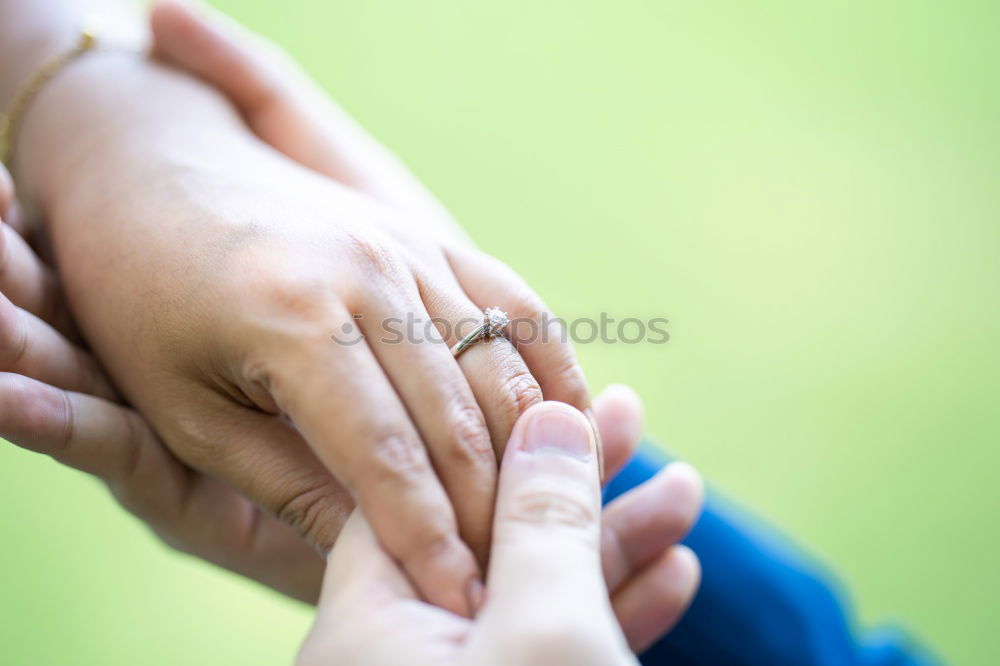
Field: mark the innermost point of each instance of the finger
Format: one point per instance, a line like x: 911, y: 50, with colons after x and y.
x: 82, y: 431
x: 441, y: 404
x: 546, y: 530
x: 539, y: 338
x: 30, y: 347
x: 215, y: 48
x: 376, y: 452
x: 29, y: 284
x: 285, y: 108
x: 190, y: 512
x: 618, y: 413
x: 654, y: 600
x: 218, y: 524
x: 503, y: 386
x: 262, y: 457
x: 640, y: 525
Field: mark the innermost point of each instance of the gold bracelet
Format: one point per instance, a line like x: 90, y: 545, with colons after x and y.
x: 38, y: 78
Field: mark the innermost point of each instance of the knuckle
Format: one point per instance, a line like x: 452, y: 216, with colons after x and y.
x: 312, y: 512
x: 373, y: 255
x: 29, y: 408
x: 519, y: 390
x: 391, y: 457
x: 14, y: 339
x: 279, y: 288
x: 298, y: 296
x: 548, y: 508
x: 135, y: 429
x: 471, y: 445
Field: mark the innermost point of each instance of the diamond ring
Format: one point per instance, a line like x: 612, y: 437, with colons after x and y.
x: 495, y: 321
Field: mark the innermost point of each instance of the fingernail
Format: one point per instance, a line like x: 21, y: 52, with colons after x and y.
x: 558, y: 431
x: 476, y: 595
x: 598, y: 442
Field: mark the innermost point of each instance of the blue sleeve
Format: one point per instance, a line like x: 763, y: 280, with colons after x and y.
x: 760, y: 601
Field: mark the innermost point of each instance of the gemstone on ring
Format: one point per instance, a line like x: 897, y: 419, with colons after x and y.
x: 496, y: 320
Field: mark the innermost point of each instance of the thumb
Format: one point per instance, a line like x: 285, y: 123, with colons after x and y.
x: 547, y: 521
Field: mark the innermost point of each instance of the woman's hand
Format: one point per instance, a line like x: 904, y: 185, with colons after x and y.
x: 216, y: 281
x: 328, y: 519
x: 199, y: 515
x: 289, y: 112
x: 55, y: 399
x: 545, y: 603
x: 89, y: 434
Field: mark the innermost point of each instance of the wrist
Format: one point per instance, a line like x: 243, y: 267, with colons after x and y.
x: 28, y: 49
x: 32, y: 32
x: 130, y: 119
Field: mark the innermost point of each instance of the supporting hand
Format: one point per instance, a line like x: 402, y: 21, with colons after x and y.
x: 545, y: 602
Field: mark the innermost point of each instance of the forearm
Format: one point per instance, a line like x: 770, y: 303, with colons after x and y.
x: 35, y: 32
x: 97, y: 103
x: 111, y: 122
x: 103, y: 151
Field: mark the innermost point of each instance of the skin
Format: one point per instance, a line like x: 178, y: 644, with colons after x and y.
x: 258, y: 545
x: 649, y: 584
x: 227, y: 268
x: 545, y: 603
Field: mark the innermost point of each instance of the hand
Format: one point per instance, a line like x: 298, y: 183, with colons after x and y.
x: 55, y: 399
x: 545, y: 603
x: 196, y: 514
x: 288, y: 111
x: 225, y: 281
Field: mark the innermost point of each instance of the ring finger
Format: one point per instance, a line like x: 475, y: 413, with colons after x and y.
x: 500, y: 381
x: 440, y: 402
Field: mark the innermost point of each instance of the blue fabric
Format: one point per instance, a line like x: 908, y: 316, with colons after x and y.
x: 761, y: 601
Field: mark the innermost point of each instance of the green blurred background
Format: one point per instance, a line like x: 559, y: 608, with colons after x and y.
x: 808, y: 191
